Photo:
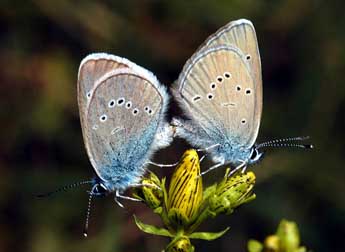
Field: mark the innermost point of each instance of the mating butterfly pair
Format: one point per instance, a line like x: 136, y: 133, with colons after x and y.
x: 122, y: 108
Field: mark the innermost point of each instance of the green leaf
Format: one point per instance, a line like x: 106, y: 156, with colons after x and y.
x: 151, y: 229
x: 254, y: 246
x: 208, y: 235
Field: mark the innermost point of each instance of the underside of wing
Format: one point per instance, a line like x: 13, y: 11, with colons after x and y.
x: 122, y: 118
x: 218, y: 93
x: 93, y: 67
x: 241, y: 35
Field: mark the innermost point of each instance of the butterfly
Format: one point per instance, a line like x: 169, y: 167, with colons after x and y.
x: 220, y: 91
x: 122, y: 110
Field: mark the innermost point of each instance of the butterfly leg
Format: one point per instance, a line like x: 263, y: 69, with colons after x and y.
x: 202, y: 158
x: 147, y: 185
x: 242, y: 166
x: 119, y: 196
x: 211, y: 168
x: 209, y: 147
x: 162, y: 165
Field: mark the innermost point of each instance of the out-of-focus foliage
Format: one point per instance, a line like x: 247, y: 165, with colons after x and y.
x: 41, y: 46
x: 286, y: 239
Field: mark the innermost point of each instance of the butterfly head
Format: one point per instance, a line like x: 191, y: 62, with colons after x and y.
x: 255, y: 155
x: 100, y: 189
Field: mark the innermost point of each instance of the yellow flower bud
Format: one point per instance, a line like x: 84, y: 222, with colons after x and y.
x: 185, y: 190
x: 151, y: 193
x: 232, y: 192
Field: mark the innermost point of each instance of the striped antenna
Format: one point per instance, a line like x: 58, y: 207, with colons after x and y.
x: 65, y: 188
x: 286, y: 142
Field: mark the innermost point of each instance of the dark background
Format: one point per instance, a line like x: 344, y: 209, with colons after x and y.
x: 41, y: 45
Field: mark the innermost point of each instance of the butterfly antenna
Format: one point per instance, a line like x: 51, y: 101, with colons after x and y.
x: 86, y: 227
x: 286, y: 142
x: 65, y: 188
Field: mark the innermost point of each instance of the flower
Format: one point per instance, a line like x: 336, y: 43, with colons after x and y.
x: 151, y: 193
x: 232, y: 192
x: 185, y: 190
x: 186, y: 204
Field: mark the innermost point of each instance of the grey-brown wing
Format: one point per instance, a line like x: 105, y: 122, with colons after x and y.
x: 121, y: 121
x: 218, y: 93
x: 91, y: 68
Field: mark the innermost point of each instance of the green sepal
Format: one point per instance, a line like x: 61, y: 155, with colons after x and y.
x: 255, y: 246
x: 150, y: 229
x: 208, y: 236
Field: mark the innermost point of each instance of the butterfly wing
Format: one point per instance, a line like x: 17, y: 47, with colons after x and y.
x: 121, y: 121
x: 244, y: 59
x: 241, y: 34
x: 218, y: 93
x: 91, y: 68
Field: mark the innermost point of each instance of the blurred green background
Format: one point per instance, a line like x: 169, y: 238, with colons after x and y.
x: 41, y: 45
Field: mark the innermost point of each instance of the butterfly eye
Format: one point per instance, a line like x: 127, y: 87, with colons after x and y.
x: 103, y: 118
x: 111, y: 103
x: 254, y: 155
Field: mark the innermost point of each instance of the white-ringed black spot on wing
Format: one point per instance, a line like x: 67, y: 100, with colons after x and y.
x: 219, y: 78
x: 210, y: 96
x: 213, y: 86
x: 248, y: 57
x: 150, y: 111
x: 103, y: 118
x: 135, y: 111
x: 248, y: 91
x: 238, y: 88
x: 227, y: 75
x: 88, y: 95
x: 120, y: 101
x: 243, y: 121
x: 128, y: 105
x: 111, y: 103
x: 196, y: 98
